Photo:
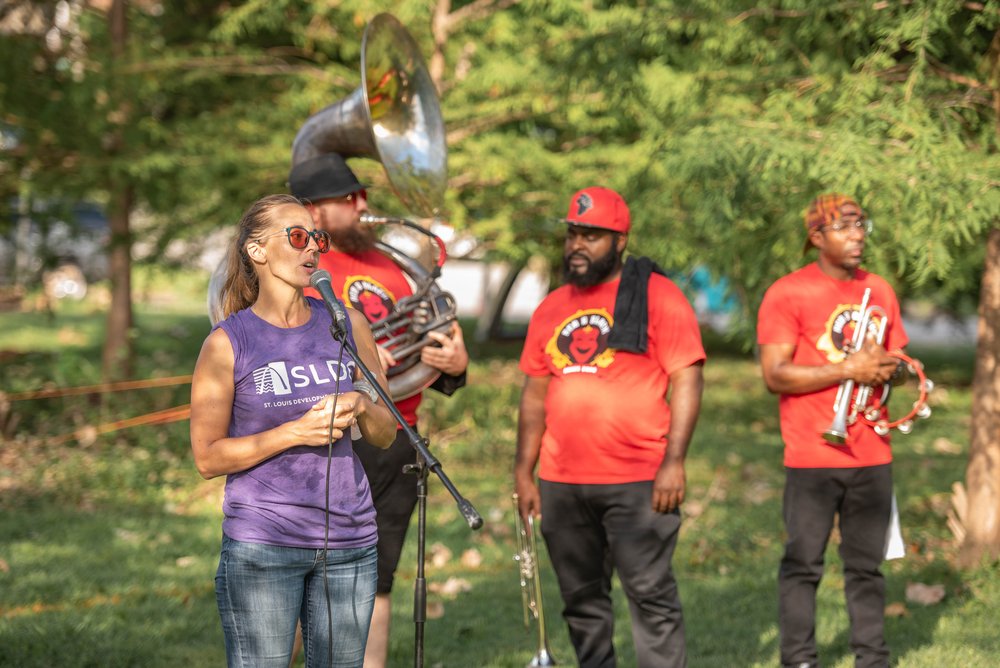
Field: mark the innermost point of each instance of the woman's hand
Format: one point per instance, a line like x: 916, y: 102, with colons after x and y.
x: 314, y: 428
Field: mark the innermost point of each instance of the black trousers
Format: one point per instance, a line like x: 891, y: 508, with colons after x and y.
x: 394, y: 494
x: 591, y: 530
x: 862, y: 498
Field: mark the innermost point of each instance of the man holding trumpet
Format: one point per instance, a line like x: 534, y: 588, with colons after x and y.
x: 805, y: 331
x: 613, y: 386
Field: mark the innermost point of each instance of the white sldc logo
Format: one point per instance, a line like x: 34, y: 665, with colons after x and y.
x: 276, y: 378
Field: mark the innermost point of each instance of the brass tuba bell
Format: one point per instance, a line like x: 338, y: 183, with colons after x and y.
x: 393, y: 117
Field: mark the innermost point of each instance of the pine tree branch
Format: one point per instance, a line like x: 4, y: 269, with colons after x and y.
x: 475, y: 11
x: 483, y: 124
x: 945, y: 73
x: 238, y: 64
x: 774, y: 13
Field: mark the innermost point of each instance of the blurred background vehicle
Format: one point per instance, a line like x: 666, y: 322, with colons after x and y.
x: 62, y: 246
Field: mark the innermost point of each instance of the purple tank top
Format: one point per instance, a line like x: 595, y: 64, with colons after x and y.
x: 279, y: 374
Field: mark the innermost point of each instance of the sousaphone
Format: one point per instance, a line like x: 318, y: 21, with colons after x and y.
x: 394, y: 118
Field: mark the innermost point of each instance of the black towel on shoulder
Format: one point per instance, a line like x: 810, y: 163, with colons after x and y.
x: 632, y: 305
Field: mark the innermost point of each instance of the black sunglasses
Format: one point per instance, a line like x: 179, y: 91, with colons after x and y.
x: 298, y: 237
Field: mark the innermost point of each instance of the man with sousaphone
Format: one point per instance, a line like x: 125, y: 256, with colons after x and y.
x: 393, y: 118
x: 370, y: 282
x: 819, y: 338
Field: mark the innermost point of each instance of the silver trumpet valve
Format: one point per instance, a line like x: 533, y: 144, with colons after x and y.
x: 856, y: 402
x: 845, y: 404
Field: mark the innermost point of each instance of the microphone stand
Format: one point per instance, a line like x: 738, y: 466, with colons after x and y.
x: 425, y: 462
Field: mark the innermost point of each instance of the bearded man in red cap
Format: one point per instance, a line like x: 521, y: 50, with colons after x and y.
x: 805, y: 323
x: 613, y: 364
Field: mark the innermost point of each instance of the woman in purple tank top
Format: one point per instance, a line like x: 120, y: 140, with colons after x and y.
x: 273, y: 399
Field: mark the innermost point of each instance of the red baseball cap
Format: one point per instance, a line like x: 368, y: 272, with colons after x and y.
x: 599, y: 207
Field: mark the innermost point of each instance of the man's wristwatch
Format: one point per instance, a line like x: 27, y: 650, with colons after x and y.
x: 366, y: 387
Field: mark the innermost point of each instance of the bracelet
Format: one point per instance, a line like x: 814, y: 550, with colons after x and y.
x: 366, y: 387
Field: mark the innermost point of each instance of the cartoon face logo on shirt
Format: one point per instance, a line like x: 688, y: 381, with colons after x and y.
x: 368, y: 296
x: 580, y: 343
x: 838, y: 333
x: 583, y: 344
x: 372, y: 306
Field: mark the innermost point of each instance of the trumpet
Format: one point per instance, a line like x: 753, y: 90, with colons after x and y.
x: 850, y: 406
x: 531, y: 585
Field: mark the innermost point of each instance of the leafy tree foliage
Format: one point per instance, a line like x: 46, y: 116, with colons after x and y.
x: 717, y: 119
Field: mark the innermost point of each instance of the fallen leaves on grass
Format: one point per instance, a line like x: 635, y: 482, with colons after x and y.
x: 896, y: 609
x: 435, y: 609
x: 472, y: 558
x: 946, y: 446
x: 450, y: 588
x: 923, y: 594
x: 439, y: 555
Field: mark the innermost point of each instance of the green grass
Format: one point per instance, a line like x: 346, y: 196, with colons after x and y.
x: 108, y: 547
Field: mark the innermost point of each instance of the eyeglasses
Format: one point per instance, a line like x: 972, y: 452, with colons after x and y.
x: 298, y: 238
x: 839, y: 225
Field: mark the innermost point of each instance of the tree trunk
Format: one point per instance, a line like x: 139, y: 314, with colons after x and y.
x: 117, y: 356
x: 982, y: 477
x: 439, y: 31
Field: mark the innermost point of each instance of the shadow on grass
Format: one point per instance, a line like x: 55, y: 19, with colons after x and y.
x: 723, y: 618
x: 915, y: 626
x: 109, y: 585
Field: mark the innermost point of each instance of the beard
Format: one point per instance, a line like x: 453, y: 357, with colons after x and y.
x: 597, y: 270
x: 354, y: 239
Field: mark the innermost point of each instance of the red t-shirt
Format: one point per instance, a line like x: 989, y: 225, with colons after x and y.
x: 372, y: 283
x: 817, y: 314
x: 606, y: 415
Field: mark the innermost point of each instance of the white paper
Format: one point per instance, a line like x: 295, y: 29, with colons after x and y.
x: 894, y: 546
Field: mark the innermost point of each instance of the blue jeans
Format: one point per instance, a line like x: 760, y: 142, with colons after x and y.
x: 263, y: 590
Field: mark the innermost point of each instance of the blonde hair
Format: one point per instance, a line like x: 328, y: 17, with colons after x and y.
x: 242, y: 286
